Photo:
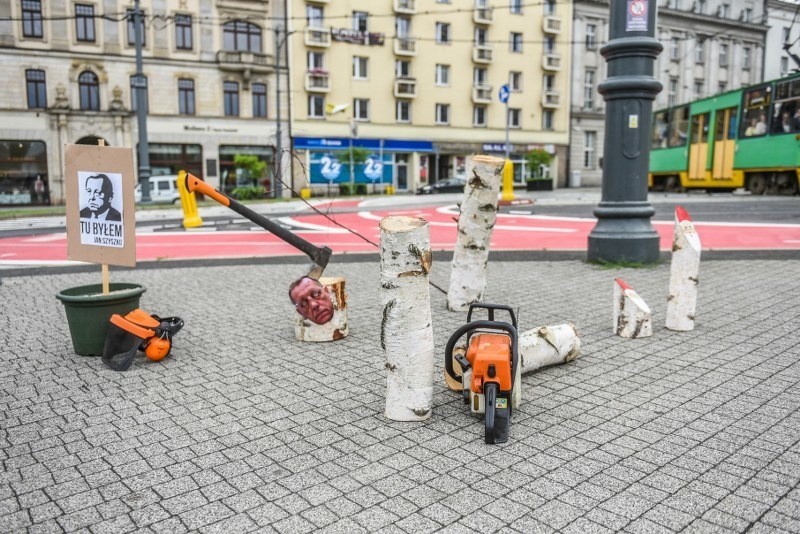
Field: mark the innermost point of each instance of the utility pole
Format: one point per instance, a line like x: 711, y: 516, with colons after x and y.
x: 623, y: 231
x: 278, y: 132
x: 140, y: 83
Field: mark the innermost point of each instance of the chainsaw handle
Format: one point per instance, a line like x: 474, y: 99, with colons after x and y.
x: 474, y: 325
x: 490, y: 309
x: 319, y: 256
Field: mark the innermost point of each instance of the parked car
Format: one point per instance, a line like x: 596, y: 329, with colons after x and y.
x: 163, y: 190
x: 450, y: 185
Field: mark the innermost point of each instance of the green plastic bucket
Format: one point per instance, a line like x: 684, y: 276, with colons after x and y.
x: 88, y: 312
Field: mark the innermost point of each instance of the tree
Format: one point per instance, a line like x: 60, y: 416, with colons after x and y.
x: 252, y: 167
x: 535, y: 159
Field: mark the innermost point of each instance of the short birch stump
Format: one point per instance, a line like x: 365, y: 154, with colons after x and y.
x: 336, y: 328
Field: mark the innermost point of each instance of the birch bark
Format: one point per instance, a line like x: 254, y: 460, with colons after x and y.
x: 475, y: 224
x: 406, y: 331
x: 336, y: 328
x: 684, y: 274
x: 631, y: 313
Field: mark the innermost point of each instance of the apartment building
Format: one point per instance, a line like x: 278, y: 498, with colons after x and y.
x: 782, y: 55
x: 69, y: 68
x: 415, y: 84
x: 710, y: 46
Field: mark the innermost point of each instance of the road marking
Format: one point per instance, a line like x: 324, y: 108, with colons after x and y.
x: 520, y: 212
x: 47, y: 238
x: 288, y: 221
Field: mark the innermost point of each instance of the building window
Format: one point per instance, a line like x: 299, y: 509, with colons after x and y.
x: 547, y: 119
x: 722, y: 87
x: 787, y: 34
x: 259, y: 92
x: 316, y: 61
x: 515, y: 41
x: 32, y: 18
x: 37, y: 90
x: 674, y: 48
x: 549, y: 7
x: 747, y: 14
x: 135, y: 94
x: 700, y: 51
x: 591, y: 36
x: 515, y: 81
x: 589, y: 142
x: 131, y: 25
x: 361, y: 109
x: 701, y: 6
x: 514, y: 115
x: 230, y: 95
x: 549, y: 82
x: 479, y: 76
x: 360, y: 21
x: 699, y: 88
x: 515, y: 6
x: 549, y: 45
x: 315, y: 16
x: 402, y: 68
x: 185, y: 96
x: 89, y: 90
x: 241, y: 36
x: 746, y: 57
x: 480, y: 36
x: 442, y: 114
x: 402, y: 27
x: 443, y: 75
x: 588, y: 89
x: 784, y: 66
x: 672, y: 92
x: 442, y: 32
x: 183, y: 32
x: 403, y: 111
x: 724, y: 11
x: 723, y: 55
x: 360, y: 65
x: 316, y: 106
x: 84, y: 22
x: 479, y: 116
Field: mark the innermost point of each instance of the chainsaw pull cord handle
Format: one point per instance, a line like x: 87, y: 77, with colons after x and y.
x: 474, y: 325
x: 319, y: 255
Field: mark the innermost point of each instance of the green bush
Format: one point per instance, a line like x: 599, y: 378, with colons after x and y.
x: 249, y: 193
x: 345, y: 189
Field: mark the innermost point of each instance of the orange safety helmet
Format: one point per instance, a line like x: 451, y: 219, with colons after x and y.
x: 138, y: 330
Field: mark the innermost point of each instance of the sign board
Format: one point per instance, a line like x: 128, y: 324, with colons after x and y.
x: 101, y: 224
x: 636, y: 16
x: 373, y: 167
x: 503, y: 93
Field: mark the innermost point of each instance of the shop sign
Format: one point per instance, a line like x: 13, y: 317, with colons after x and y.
x: 348, y: 35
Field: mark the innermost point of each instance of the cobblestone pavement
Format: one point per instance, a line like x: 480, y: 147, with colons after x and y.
x: 244, y: 429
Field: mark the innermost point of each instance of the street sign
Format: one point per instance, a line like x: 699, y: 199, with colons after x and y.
x: 503, y: 93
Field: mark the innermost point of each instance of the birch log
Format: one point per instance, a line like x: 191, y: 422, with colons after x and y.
x: 406, y: 331
x: 475, y: 224
x: 684, y: 272
x: 631, y: 313
x: 336, y: 328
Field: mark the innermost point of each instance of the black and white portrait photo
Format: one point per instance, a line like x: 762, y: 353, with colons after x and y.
x: 100, y: 201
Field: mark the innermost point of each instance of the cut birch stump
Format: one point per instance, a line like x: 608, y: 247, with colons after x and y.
x: 631, y: 313
x: 336, y: 328
x: 684, y: 274
x: 406, y: 331
x: 475, y: 224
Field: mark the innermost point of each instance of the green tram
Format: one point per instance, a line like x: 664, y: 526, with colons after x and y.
x: 747, y: 138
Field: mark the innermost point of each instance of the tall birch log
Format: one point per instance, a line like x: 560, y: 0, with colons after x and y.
x: 475, y: 224
x: 406, y: 331
x: 336, y: 328
x: 631, y: 313
x: 684, y: 274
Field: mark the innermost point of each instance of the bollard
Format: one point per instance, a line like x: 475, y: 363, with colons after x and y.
x: 305, y: 193
x: 684, y: 270
x: 191, y: 216
x: 508, y: 182
x: 631, y: 313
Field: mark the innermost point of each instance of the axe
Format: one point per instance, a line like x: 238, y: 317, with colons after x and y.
x: 319, y: 256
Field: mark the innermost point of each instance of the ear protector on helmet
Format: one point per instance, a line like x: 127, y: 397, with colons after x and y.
x: 136, y: 331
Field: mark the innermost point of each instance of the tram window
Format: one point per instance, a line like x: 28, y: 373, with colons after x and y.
x: 719, y: 126
x: 700, y: 128
x: 732, y: 124
x: 660, y: 130
x: 755, y: 108
x: 678, y: 126
x: 786, y: 110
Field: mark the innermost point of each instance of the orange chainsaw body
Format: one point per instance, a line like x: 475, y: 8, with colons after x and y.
x: 486, y: 352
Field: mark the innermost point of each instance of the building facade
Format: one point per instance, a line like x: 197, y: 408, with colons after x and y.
x: 414, y: 85
x: 70, y: 71
x: 782, y: 55
x: 710, y: 46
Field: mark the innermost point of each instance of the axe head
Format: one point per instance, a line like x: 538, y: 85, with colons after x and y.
x: 319, y: 262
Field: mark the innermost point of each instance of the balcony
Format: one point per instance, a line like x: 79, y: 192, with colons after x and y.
x: 483, y: 15
x: 320, y: 1
x: 405, y: 87
x: 552, y: 24
x: 405, y: 6
x: 552, y: 61
x: 318, y: 37
x: 482, y: 53
x: 239, y: 61
x: 318, y: 81
x: 482, y: 93
x: 405, y: 46
x: 551, y: 99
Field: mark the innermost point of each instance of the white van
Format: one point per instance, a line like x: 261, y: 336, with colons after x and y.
x: 163, y: 190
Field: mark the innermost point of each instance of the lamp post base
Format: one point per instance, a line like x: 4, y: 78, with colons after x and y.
x: 624, y: 234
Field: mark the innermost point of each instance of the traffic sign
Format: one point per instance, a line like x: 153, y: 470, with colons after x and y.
x: 503, y: 93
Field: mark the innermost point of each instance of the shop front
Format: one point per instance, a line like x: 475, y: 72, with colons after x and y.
x: 449, y: 159
x: 23, y: 173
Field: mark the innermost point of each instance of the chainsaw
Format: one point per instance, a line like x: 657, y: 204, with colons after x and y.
x: 490, y: 373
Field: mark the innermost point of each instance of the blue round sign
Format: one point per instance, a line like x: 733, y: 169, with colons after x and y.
x: 331, y: 168
x: 373, y: 167
x: 503, y: 93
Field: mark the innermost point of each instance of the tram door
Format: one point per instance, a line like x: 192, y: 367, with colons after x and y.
x: 724, y: 144
x: 698, y: 148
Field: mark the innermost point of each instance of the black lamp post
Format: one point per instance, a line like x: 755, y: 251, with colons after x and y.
x: 623, y: 231
x: 140, y: 85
